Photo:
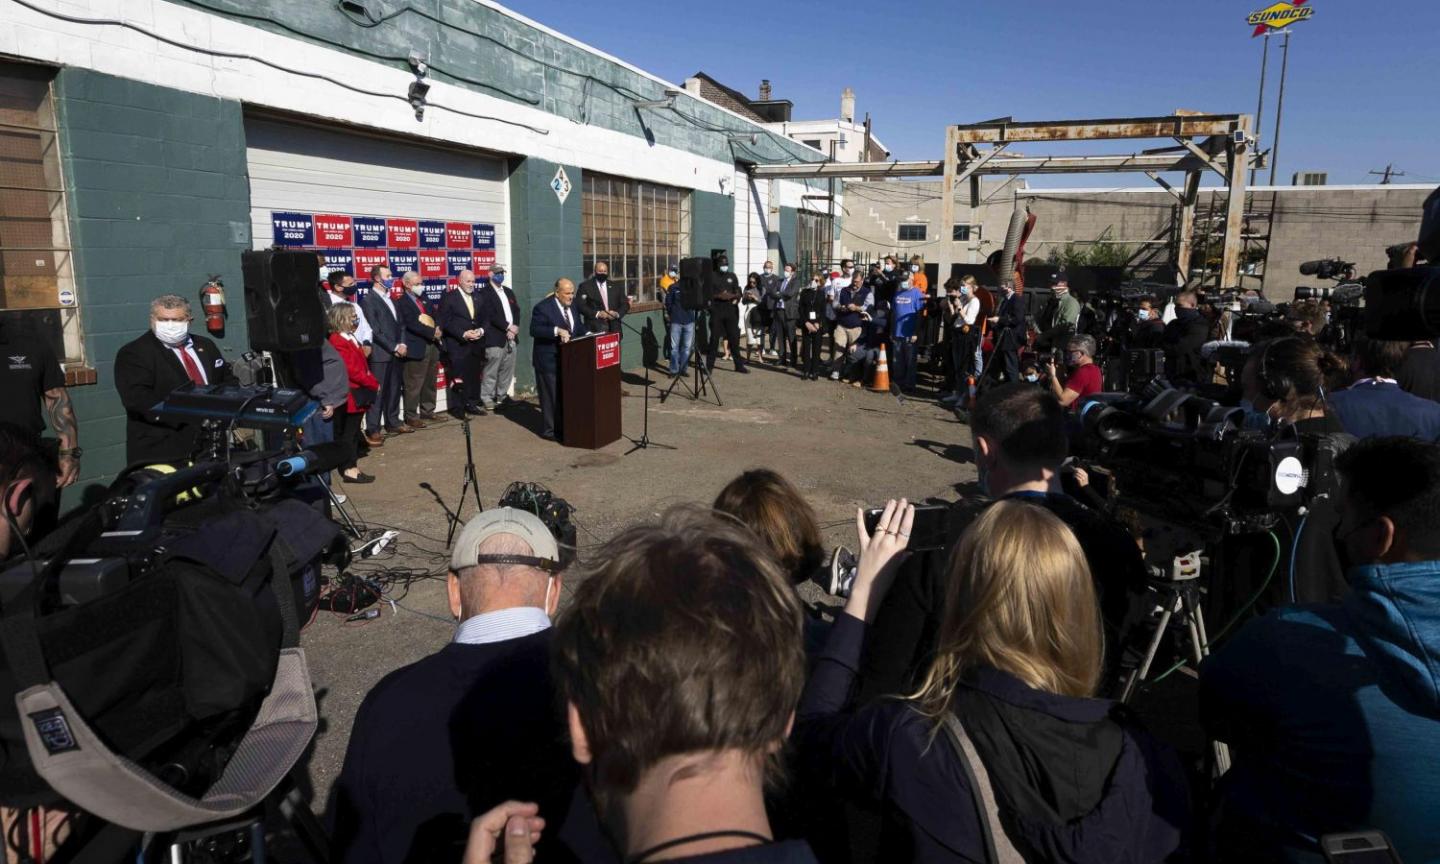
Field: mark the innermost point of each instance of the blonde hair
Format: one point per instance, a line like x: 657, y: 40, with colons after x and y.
x: 342, y: 318
x: 1021, y: 600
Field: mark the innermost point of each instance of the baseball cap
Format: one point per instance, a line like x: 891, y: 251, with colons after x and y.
x: 506, y: 520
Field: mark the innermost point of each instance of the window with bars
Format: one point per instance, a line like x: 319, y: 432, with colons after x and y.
x: 639, y: 229
x: 963, y: 233
x: 36, y: 277
x: 911, y: 232
x: 814, y: 242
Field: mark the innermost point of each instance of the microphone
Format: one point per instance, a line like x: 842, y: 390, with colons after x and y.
x: 1310, y: 268
x: 315, y: 459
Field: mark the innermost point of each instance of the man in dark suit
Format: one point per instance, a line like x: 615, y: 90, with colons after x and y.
x: 1375, y: 406
x: 552, y: 323
x: 724, y: 314
x: 1009, y: 323
x: 148, y: 368
x: 461, y: 318
x: 601, y: 303
x: 422, y: 352
x: 441, y: 741
x: 387, y: 353
x: 501, y: 316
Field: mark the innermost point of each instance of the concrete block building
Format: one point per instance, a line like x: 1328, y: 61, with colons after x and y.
x: 144, y: 144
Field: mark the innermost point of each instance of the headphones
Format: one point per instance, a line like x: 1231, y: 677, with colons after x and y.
x: 1275, y: 386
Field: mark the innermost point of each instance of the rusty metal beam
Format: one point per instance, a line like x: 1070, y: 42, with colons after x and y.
x: 947, y: 185
x: 1165, y: 184
x: 1186, y: 241
x: 1008, y: 131
x: 1203, y: 156
x: 1002, y: 165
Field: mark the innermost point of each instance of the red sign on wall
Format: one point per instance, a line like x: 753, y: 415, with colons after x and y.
x: 335, y: 232
x: 607, y: 350
x: 365, y: 259
x: 457, y: 235
x: 433, y: 264
x: 403, y: 233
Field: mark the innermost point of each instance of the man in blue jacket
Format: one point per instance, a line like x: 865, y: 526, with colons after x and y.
x: 905, y: 320
x: 1375, y: 404
x: 682, y: 330
x: 553, y: 322
x: 1333, y: 712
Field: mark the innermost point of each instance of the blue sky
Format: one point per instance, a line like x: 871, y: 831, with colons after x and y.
x: 1360, y: 91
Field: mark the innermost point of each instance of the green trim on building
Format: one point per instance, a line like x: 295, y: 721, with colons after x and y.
x: 712, y: 223
x: 544, y: 243
x: 158, y: 199
x: 788, y: 224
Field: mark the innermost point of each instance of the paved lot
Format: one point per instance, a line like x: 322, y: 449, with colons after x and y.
x: 842, y: 446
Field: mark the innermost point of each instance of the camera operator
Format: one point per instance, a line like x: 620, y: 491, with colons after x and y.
x: 1148, y: 331
x: 1084, y: 378
x: 1183, y: 338
x: 1307, y: 317
x: 1019, y: 445
x: 27, y: 486
x: 1331, y: 710
x: 1375, y: 405
x: 1060, y: 315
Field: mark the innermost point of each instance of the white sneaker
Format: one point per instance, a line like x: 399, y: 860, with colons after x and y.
x: 834, y: 376
x: 340, y: 498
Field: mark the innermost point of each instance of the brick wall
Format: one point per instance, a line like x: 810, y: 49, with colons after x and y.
x: 158, y: 200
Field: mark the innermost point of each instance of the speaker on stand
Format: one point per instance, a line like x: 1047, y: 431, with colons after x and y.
x: 283, y: 307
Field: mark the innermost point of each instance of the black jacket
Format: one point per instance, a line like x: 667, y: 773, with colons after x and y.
x: 417, y: 335
x: 385, y: 330
x: 1183, y: 338
x: 146, y: 371
x: 1076, y: 779
x: 723, y: 283
x: 1010, y: 329
x: 811, y: 303
x: 587, y: 300
x: 455, y: 319
x: 493, y: 318
x: 441, y: 741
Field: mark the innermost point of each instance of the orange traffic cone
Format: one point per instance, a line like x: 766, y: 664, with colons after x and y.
x: 881, y: 381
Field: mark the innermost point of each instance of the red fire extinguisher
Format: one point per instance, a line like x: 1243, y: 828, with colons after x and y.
x: 212, y: 300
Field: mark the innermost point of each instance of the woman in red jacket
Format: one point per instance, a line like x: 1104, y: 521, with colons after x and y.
x: 342, y: 321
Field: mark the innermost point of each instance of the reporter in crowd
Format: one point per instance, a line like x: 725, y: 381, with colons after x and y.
x: 1019, y: 447
x: 1183, y: 338
x: 1060, y: 315
x: 1001, y: 753
x: 1332, y: 711
x: 1284, y: 379
x: 1307, y: 317
x: 1375, y: 405
x: 342, y: 322
x: 962, y: 336
x: 422, y: 351
x: 444, y: 739
x: 1148, y: 330
x: 680, y: 664
x: 812, y: 306
x: 1084, y: 379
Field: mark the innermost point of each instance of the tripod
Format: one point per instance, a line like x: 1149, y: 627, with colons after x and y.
x: 702, y: 374
x: 1180, y: 595
x: 644, y: 442
x: 471, y: 483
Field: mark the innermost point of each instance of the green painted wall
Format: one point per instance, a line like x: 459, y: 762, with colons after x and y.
x: 788, y: 224
x: 712, y: 222
x: 473, y: 46
x: 544, y: 243
x: 158, y: 199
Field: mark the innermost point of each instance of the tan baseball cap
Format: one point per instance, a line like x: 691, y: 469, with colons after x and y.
x: 505, y: 520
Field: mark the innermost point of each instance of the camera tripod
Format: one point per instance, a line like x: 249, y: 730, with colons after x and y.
x: 644, y: 442
x: 703, y: 377
x: 1180, y: 595
x: 470, y: 484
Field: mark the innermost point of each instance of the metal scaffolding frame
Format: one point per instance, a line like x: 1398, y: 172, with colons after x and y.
x: 1225, y: 146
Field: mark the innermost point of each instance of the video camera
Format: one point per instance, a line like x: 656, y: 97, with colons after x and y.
x: 1328, y: 268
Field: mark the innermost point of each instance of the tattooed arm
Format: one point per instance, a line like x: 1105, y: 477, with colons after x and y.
x: 61, y: 415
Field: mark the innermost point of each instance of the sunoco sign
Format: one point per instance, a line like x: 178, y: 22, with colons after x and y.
x: 1279, y: 16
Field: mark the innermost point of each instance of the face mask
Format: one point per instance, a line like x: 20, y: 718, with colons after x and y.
x: 418, y: 290
x: 172, y: 332
x: 601, y: 277
x: 1032, y: 378
x: 769, y: 271
x: 674, y: 273
x: 814, y: 283
x: 905, y: 283
x: 789, y: 273
x: 349, y: 290
x: 1143, y: 314
x: 497, y: 278
x: 724, y: 268
x: 914, y: 268
x: 888, y: 268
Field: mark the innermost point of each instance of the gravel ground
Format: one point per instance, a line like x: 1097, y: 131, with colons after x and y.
x: 843, y: 447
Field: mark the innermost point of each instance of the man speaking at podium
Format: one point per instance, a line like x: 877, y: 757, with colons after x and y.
x: 553, y: 322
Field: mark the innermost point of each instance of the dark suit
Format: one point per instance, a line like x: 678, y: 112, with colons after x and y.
x: 465, y: 359
x: 1372, y: 408
x: 781, y: 299
x: 385, y: 335
x: 422, y: 355
x: 1009, y: 336
x: 587, y: 297
x: 1183, y: 338
x: 545, y: 318
x: 146, y: 371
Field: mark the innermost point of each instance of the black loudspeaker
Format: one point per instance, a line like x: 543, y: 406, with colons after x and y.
x: 283, y: 307
x: 695, y: 276
x: 696, y: 268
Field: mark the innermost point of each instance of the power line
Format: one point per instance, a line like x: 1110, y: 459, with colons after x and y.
x: 1386, y: 174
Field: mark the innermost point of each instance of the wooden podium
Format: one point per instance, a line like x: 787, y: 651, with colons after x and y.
x: 590, y: 391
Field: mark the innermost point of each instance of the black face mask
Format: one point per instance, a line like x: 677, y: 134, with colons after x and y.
x: 601, y: 277
x: 349, y: 290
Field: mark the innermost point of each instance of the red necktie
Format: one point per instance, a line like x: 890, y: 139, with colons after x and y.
x: 191, y: 367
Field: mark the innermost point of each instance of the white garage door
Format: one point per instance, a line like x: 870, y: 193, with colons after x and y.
x: 752, y: 225
x: 364, y: 200
x: 307, y: 170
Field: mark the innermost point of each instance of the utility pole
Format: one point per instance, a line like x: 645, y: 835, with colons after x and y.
x: 1279, y: 105
x: 1260, y: 103
x: 1387, y: 174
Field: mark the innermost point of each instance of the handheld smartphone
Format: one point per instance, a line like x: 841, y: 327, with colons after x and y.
x: 1360, y: 847
x: 927, y: 532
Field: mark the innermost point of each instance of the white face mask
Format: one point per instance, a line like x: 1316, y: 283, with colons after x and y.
x: 769, y: 271
x: 1032, y: 378
x: 789, y: 273
x: 1144, y: 314
x: 724, y: 268
x: 914, y: 268
x: 172, y: 333
x: 673, y: 274
x: 888, y: 268
x: 417, y: 290
x: 814, y: 283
